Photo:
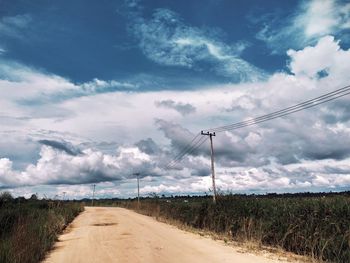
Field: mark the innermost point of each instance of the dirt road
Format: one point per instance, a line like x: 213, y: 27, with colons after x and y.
x: 119, y: 235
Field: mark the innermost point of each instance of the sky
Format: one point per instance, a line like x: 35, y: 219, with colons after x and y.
x: 92, y: 92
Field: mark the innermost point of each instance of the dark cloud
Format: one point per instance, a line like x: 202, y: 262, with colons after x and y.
x: 336, y: 170
x: 278, y: 141
x: 287, y: 144
x: 148, y: 146
x: 337, y: 113
x: 179, y: 136
x: 182, y: 108
x: 205, y: 171
x: 336, y: 154
x: 105, y: 147
x: 227, y: 151
x: 88, y: 176
x: 63, y: 146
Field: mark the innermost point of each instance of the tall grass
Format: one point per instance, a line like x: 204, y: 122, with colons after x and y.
x: 316, y: 226
x: 29, y: 228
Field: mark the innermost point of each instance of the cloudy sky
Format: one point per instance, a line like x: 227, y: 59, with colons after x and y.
x: 94, y: 91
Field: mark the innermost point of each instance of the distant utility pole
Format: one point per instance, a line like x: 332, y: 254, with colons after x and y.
x: 64, y: 195
x: 93, y: 194
x: 138, y: 189
x: 211, y: 134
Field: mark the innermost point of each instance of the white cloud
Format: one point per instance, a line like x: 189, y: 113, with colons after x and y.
x: 166, y: 40
x: 326, y: 56
x: 320, y: 18
x: 19, y: 81
x: 102, y: 190
x: 97, y: 85
x: 275, y: 155
x: 311, y: 21
x: 58, y: 167
x: 6, y: 173
x: 161, y: 189
x: 253, y: 139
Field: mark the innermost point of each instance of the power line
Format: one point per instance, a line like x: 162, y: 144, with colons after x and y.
x: 185, y: 149
x: 286, y: 111
x: 189, y: 151
x: 195, y: 147
x: 195, y: 144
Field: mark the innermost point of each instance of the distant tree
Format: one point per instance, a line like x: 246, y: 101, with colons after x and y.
x: 6, y: 196
x: 153, y: 195
x: 34, y: 197
x: 21, y: 199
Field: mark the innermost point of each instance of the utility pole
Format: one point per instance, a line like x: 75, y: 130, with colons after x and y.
x: 93, y: 194
x: 64, y: 195
x: 211, y: 134
x: 138, y: 189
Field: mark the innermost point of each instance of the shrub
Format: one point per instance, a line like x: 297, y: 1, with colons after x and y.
x: 28, y: 229
x: 314, y: 225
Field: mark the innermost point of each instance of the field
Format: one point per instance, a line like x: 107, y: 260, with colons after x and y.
x: 316, y: 225
x: 29, y: 228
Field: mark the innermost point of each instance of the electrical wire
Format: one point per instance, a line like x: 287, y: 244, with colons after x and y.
x: 280, y: 113
x: 184, y: 149
x: 195, y: 144
x: 190, y: 151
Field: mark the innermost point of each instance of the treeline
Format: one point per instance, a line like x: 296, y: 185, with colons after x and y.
x: 30, y: 227
x: 317, y: 225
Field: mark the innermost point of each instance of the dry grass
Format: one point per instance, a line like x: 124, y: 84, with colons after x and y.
x: 314, y: 226
x: 28, y: 229
x: 242, y: 247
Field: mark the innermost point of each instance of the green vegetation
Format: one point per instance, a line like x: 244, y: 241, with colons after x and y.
x: 29, y: 228
x: 317, y: 225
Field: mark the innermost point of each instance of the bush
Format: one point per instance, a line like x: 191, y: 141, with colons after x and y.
x: 314, y: 225
x: 28, y: 229
x: 5, y: 197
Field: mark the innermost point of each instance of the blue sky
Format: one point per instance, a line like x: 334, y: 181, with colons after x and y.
x: 84, y: 40
x: 92, y: 91
x: 81, y: 41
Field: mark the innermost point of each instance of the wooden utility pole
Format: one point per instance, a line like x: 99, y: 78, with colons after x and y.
x: 211, y: 134
x: 93, y: 194
x: 138, y: 189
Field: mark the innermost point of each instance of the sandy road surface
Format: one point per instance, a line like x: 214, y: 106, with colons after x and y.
x: 119, y: 235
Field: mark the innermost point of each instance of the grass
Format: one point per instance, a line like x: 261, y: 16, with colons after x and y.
x: 316, y: 225
x: 29, y: 228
